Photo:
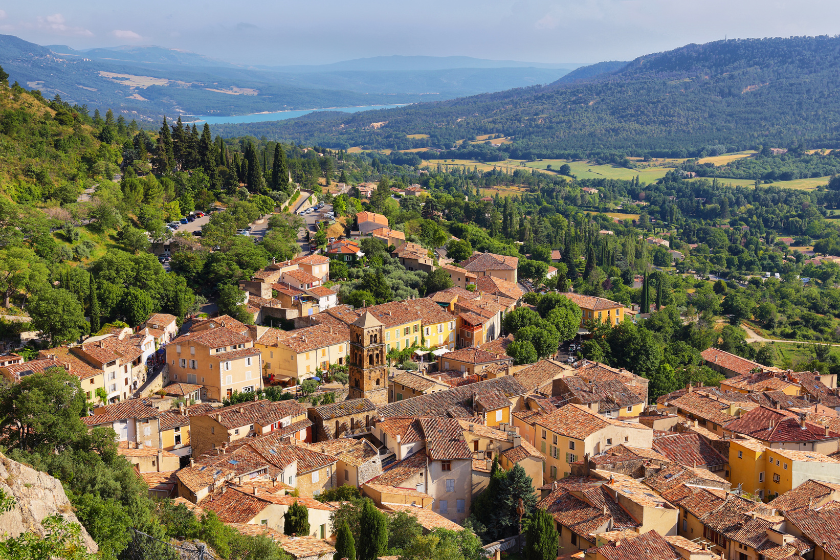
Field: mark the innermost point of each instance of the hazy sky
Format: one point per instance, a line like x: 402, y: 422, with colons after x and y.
x: 283, y: 32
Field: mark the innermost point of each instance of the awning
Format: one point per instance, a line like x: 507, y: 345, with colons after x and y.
x: 421, y: 352
x: 440, y: 351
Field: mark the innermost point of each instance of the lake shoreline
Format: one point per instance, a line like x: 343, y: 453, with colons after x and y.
x: 272, y: 116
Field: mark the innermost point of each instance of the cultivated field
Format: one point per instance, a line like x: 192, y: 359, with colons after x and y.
x: 417, y: 136
x: 616, y: 215
x: 726, y: 158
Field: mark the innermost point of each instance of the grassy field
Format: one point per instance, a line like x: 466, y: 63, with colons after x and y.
x: 587, y: 170
x: 503, y: 191
x: 417, y: 136
x: 799, y: 184
x: 616, y: 215
x: 726, y: 158
x: 790, y: 354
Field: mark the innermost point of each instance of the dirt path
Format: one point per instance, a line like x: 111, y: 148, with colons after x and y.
x: 753, y: 336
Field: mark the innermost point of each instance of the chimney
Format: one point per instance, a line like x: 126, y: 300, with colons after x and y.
x: 255, y: 490
x: 139, y: 445
x: 159, y: 459
x: 517, y: 440
x: 192, y: 462
x: 274, y: 482
x: 472, y: 427
x: 607, y: 512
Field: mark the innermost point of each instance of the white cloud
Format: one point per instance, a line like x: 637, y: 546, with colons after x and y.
x: 126, y: 34
x: 56, y: 23
x: 547, y: 22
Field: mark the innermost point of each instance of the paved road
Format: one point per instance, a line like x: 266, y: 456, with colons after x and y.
x: 195, y: 225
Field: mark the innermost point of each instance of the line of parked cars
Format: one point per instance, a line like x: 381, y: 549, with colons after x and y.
x: 183, y: 221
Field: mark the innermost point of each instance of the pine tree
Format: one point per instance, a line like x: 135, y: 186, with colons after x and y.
x: 516, y: 486
x: 345, y: 546
x: 164, y: 158
x: 179, y: 142
x: 95, y: 313
x: 253, y: 176
x: 541, y: 539
x: 296, y: 520
x: 374, y: 532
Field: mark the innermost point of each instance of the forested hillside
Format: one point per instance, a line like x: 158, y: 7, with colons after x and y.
x: 736, y: 94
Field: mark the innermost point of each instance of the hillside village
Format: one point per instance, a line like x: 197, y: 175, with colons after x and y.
x: 222, y: 416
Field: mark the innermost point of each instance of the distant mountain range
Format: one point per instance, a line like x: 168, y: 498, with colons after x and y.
x: 148, y: 82
x: 725, y: 95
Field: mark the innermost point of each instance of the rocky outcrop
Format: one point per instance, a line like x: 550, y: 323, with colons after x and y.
x: 38, y: 495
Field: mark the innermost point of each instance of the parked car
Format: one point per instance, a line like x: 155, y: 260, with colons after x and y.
x: 184, y: 221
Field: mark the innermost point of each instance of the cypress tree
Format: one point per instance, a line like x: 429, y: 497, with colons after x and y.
x: 345, y: 546
x: 279, y: 169
x: 374, y: 532
x: 94, y: 308
x: 296, y: 520
x: 541, y: 539
x: 179, y: 142
x: 646, y: 294
x: 164, y: 158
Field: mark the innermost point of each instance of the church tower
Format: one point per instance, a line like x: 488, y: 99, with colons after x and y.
x: 367, y: 369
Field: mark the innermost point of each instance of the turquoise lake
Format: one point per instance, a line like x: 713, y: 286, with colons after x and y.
x: 280, y: 115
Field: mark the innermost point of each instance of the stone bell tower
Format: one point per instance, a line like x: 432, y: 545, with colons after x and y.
x: 367, y: 369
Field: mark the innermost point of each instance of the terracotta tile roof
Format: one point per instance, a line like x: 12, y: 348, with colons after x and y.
x: 809, y: 494
x: 408, y: 429
x: 493, y: 285
x: 521, y: 452
x: 689, y: 450
x: 233, y: 506
x: 482, y: 262
x: 697, y: 501
x: 772, y: 398
x: 449, y: 294
x: 473, y: 319
x: 540, y: 374
x: 437, y: 404
x: 427, y: 518
x: 182, y: 389
x: 143, y: 452
x: 578, y: 422
x: 140, y: 409
x: 703, y: 407
x: 580, y: 505
x: 172, y: 419
x: 311, y: 259
x: 321, y: 291
x: 414, y: 381
x: 729, y: 517
x: 363, y: 217
x: 39, y: 365
x: 759, y: 381
x: 770, y: 425
x: 262, y: 412
x: 611, y: 394
x: 821, y: 527
x: 621, y: 453
x: 354, y: 452
x: 473, y: 355
x: 301, y: 276
x: 343, y: 247
x: 308, y: 338
x: 816, y: 389
x: 592, y: 302
x: 594, y: 371
x: 344, y: 408
x: 154, y: 479
x: 650, y: 546
x: 444, y: 439
x: 672, y: 476
x: 483, y: 431
x: 398, y: 473
x: 806, y: 456
x: 225, y: 321
x: 430, y: 312
x: 410, y: 492
x: 161, y: 319
x: 729, y: 361
x: 212, y: 338
x: 310, y: 460
x: 492, y: 400
x: 498, y: 346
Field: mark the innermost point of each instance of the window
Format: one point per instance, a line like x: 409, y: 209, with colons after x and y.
x: 609, y: 441
x: 571, y: 444
x: 407, y: 331
x: 323, y: 530
x: 444, y: 506
x: 776, y: 477
x: 451, y: 325
x: 399, y: 396
x: 193, y: 364
x: 227, y: 366
x: 553, y: 471
x: 228, y: 379
x: 316, y: 477
x: 554, y: 451
x: 543, y: 435
x: 450, y: 484
x: 427, y: 331
x: 542, y: 448
x: 460, y: 506
x: 629, y: 409
x: 761, y: 477
x: 236, y: 432
x: 247, y: 376
x: 263, y: 521
x: 571, y: 458
x: 387, y: 335
x: 740, y: 454
x: 685, y: 524
x: 785, y: 466
x: 446, y: 465
x: 626, y: 439
x: 554, y: 439
x: 499, y: 415
x: 247, y: 361
x: 346, y: 475
x: 182, y: 362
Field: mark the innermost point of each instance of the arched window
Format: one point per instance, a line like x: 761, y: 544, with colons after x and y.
x: 370, y: 359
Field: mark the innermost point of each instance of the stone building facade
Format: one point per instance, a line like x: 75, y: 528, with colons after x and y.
x: 367, y: 368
